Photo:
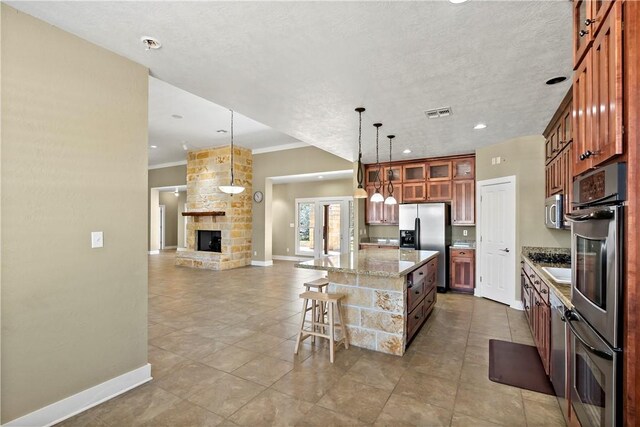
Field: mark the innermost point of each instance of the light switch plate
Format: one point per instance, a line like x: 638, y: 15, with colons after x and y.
x: 292, y: 225
x: 97, y: 240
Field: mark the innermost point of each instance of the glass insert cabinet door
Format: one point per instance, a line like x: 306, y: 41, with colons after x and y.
x: 324, y: 226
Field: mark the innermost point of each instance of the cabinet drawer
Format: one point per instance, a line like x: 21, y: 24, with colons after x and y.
x: 464, y: 253
x: 415, y: 292
x: 430, y: 300
x: 415, y: 319
x: 542, y: 288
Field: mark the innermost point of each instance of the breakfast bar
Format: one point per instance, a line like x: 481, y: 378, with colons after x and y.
x: 389, y: 294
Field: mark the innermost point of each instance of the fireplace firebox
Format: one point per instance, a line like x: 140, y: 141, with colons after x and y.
x: 209, y: 240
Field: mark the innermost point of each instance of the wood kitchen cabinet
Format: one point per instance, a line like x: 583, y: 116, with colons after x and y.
x: 371, y: 174
x: 374, y: 212
x: 446, y: 179
x: 589, y: 17
x: 439, y: 191
x: 597, y: 93
x: 413, y: 172
x: 464, y: 168
x: 559, y: 162
x: 463, y: 206
x: 535, y: 298
x: 439, y: 170
x: 462, y: 270
x: 414, y: 192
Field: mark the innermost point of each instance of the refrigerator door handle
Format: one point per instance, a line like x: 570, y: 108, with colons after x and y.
x: 417, y: 231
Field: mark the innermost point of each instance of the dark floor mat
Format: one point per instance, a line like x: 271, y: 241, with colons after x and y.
x: 518, y: 365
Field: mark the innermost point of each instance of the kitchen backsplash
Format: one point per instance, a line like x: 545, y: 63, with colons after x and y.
x: 391, y: 232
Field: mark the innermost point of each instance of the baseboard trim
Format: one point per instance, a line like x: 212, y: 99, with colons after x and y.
x: 156, y: 252
x: 517, y: 305
x: 73, y: 405
x: 290, y: 258
x: 262, y: 263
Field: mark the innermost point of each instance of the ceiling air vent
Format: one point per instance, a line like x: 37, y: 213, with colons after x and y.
x: 436, y: 113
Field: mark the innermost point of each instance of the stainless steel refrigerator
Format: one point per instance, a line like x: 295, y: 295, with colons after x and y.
x: 427, y: 226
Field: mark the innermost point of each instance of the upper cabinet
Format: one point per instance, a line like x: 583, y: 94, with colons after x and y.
x: 413, y: 172
x: 448, y: 179
x: 464, y: 168
x: 582, y: 33
x: 597, y: 90
x: 558, y: 173
x: 439, y: 170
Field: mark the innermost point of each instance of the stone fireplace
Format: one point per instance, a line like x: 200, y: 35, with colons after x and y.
x: 218, y: 224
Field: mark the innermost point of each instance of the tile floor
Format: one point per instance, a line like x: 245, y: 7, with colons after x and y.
x: 221, y: 348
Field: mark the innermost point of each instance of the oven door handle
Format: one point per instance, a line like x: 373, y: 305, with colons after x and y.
x: 603, y: 354
x: 599, y: 214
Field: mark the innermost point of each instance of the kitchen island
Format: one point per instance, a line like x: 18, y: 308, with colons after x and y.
x: 389, y: 294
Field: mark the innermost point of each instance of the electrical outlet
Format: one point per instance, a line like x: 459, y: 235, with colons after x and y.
x: 287, y: 250
x: 493, y: 160
x: 255, y: 253
x: 292, y: 225
x: 97, y: 239
x: 465, y: 232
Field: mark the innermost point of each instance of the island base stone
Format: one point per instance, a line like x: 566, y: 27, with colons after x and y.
x: 374, y: 310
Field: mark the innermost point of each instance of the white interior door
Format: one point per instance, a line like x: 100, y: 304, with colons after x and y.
x: 497, y: 241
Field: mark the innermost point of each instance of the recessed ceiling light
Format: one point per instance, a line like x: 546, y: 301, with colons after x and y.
x: 407, y: 151
x: 556, y: 80
x: 320, y: 177
x: 176, y: 116
x: 457, y: 1
x: 480, y: 126
x: 150, y: 43
x: 153, y: 146
x: 221, y: 131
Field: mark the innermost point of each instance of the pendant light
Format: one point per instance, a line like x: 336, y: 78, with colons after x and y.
x: 390, y: 200
x: 377, y: 196
x: 360, y: 192
x: 231, y: 188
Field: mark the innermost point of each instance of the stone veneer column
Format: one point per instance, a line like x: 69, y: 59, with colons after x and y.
x: 206, y: 171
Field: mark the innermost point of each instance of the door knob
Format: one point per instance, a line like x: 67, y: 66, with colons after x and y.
x: 505, y: 250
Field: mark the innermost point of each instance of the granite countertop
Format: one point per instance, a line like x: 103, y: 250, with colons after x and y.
x: 379, y: 241
x: 562, y: 291
x: 372, y: 262
x: 464, y: 244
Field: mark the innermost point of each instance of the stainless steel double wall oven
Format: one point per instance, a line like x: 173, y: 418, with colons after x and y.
x: 595, y: 322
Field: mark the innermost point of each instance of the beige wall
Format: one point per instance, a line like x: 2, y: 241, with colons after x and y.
x: 524, y: 158
x: 161, y: 177
x: 280, y: 163
x: 170, y: 202
x: 284, y: 208
x: 74, y: 160
x: 391, y: 232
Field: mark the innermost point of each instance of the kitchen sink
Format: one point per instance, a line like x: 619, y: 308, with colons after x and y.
x: 560, y: 275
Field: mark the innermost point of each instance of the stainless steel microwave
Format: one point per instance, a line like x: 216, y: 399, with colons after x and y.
x: 554, y: 211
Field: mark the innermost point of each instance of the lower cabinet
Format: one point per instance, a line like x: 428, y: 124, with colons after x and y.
x: 462, y: 270
x: 535, y: 298
x: 421, y: 296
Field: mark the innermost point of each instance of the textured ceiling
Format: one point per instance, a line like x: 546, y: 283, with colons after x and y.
x: 302, y: 67
x: 199, y: 125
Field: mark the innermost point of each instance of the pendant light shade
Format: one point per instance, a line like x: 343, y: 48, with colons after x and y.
x: 377, y: 195
x: 360, y: 192
x: 231, y: 188
x: 390, y: 200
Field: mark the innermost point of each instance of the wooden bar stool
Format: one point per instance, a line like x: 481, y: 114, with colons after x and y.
x: 318, y: 309
x: 333, y: 302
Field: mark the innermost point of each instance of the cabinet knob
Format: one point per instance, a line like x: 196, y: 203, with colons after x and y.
x: 588, y: 21
x: 538, y: 303
x: 583, y: 33
x: 543, y: 291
